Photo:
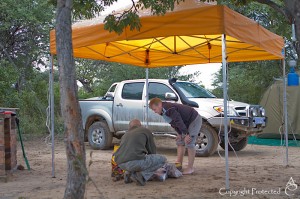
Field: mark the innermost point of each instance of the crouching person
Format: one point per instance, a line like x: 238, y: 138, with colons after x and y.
x: 137, y: 154
x: 187, y: 122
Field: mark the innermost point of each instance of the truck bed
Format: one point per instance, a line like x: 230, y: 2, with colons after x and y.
x: 95, y: 106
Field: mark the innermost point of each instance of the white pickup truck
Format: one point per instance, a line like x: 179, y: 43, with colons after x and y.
x: 107, y: 117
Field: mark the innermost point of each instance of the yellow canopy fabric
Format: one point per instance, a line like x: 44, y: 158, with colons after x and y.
x: 191, y: 34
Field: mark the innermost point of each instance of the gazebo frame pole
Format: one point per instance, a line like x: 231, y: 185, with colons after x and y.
x: 51, y: 76
x: 224, y: 68
x: 147, y: 97
x: 285, y: 115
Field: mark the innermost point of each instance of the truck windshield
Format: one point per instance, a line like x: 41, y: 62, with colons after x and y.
x: 192, y: 90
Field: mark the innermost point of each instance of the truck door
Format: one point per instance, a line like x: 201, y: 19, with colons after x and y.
x: 156, y: 122
x: 128, y: 105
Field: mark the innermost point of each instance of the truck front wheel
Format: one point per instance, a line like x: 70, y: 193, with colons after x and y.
x: 99, y: 136
x: 207, y: 142
x: 238, y: 146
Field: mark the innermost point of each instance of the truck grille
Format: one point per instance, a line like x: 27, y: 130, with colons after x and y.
x: 241, y: 111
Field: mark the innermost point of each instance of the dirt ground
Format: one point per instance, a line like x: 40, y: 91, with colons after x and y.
x: 258, y: 172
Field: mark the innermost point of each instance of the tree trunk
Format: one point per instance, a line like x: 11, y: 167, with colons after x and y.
x: 292, y: 8
x: 86, y: 85
x: 297, y: 24
x: 74, y: 136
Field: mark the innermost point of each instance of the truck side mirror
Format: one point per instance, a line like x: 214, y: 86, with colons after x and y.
x: 109, y: 95
x: 171, y: 96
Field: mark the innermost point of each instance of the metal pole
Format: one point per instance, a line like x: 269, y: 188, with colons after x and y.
x: 285, y: 116
x: 224, y: 68
x: 147, y: 97
x: 294, y: 39
x: 52, y: 113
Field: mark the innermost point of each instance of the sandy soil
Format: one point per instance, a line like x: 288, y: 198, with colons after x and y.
x: 257, y: 169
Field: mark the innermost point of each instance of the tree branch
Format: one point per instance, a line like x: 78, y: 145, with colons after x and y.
x: 127, y: 11
x: 278, y: 8
x: 8, y: 56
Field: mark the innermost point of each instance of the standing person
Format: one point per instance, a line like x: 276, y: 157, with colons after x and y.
x: 187, y: 123
x: 137, y: 154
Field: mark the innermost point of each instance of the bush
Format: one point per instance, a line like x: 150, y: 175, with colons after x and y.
x: 31, y: 99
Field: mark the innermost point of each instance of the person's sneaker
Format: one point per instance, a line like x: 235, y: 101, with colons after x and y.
x: 127, y: 177
x: 138, y: 178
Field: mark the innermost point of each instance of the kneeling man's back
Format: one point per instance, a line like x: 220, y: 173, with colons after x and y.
x: 135, y: 144
x: 136, y: 154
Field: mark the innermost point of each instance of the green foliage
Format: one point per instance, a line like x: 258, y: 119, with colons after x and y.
x: 119, y: 23
x: 157, y: 7
x: 247, y: 81
x: 86, y: 9
x: 8, y: 77
x: 97, y: 76
x: 32, y: 101
x: 24, y: 44
x: 129, y: 18
x: 24, y: 29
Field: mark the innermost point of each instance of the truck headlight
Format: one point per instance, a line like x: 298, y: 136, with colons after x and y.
x: 262, y: 111
x: 230, y: 110
x: 257, y: 111
x: 254, y: 112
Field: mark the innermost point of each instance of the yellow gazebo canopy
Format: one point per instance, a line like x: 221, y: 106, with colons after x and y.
x: 191, y: 34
